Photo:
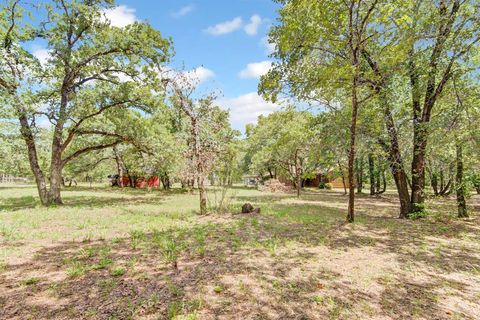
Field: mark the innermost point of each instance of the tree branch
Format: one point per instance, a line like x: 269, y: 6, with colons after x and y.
x: 88, y: 149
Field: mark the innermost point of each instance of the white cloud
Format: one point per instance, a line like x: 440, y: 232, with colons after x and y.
x: 246, y: 108
x: 41, y: 54
x: 43, y: 122
x: 199, y: 74
x: 120, y: 16
x: 255, y: 69
x: 269, y: 47
x: 225, y: 27
x: 183, y: 11
x: 252, y: 27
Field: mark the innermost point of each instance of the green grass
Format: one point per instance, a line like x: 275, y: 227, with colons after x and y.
x: 144, y: 251
x: 30, y: 281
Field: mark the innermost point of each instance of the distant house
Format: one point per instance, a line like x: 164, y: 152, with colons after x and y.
x: 251, y: 180
x: 330, y: 177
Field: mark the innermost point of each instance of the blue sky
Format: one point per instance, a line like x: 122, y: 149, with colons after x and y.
x: 224, y: 42
x: 222, y: 38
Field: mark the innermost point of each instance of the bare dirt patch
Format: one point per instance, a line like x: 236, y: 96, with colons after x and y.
x: 296, y: 260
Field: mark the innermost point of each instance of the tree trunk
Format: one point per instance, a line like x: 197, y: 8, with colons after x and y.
x: 384, y: 182
x: 199, y: 165
x: 434, y: 183
x: 446, y: 189
x: 359, y: 170
x: 166, y: 181
x: 343, y: 178
x: 270, y: 173
x: 394, y: 154
x: 54, y: 194
x: 476, y: 184
x: 461, y: 203
x: 351, y: 155
x: 298, y: 174
x: 119, y: 162
x: 377, y: 181
x: 371, y: 173
x: 442, y: 180
x: 33, y: 159
x: 418, y: 165
x: 396, y: 162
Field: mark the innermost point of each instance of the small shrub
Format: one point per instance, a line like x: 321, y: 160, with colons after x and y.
x: 76, y: 269
x: 88, y: 252
x: 117, y: 272
x: 3, y: 266
x: 170, y: 251
x: 102, y: 263
x: 218, y: 289
x: 219, y: 201
x: 30, y: 281
x: 420, y: 213
x: 107, y: 286
x: 325, y: 186
x: 136, y: 236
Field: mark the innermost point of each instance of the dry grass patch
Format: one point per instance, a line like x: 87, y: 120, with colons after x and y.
x: 147, y: 255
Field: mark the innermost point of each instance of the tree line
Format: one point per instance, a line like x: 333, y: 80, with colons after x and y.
x: 376, y: 92
x: 411, y: 66
x: 102, y: 89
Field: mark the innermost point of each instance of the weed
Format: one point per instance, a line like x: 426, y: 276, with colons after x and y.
x: 76, y: 269
x: 318, y: 299
x: 107, y: 286
x: 9, y: 233
x: 174, y: 289
x: 136, y: 236
x: 177, y: 309
x: 117, y: 272
x: 53, y: 289
x: 89, y: 252
x: 218, y: 289
x: 170, y: 251
x: 30, y: 281
x: 102, y: 263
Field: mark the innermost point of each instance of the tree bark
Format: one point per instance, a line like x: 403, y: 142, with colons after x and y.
x: 434, y: 183
x: 384, y: 182
x: 418, y: 166
x: 298, y: 174
x: 461, y: 203
x: 351, y: 155
x: 371, y: 173
x: 119, y: 162
x: 377, y: 181
x: 199, y: 165
x: 343, y: 178
x: 270, y: 172
x: 54, y: 194
x: 396, y: 162
x: 359, y: 166
x: 394, y: 154
x: 421, y: 114
x: 29, y: 139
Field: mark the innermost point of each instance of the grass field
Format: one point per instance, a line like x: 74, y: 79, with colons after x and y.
x: 137, y: 254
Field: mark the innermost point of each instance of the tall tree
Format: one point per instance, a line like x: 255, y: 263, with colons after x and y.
x: 91, y: 73
x: 319, y: 47
x: 210, y: 132
x: 441, y: 34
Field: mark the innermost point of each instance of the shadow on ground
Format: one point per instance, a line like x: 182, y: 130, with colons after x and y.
x: 290, y: 262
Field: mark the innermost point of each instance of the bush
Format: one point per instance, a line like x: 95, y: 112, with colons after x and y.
x: 324, y: 185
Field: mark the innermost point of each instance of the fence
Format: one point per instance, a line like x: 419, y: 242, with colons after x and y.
x: 12, y: 179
